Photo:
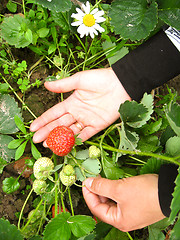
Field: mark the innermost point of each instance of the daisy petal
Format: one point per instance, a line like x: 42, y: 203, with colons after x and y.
x: 80, y: 12
x: 100, y: 19
x: 98, y: 27
x: 87, y: 8
x: 76, y: 23
x: 94, y: 11
x: 99, y: 14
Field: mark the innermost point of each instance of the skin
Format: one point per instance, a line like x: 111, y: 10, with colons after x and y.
x: 126, y: 204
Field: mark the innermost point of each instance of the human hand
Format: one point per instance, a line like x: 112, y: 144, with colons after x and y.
x: 127, y: 204
x: 92, y: 106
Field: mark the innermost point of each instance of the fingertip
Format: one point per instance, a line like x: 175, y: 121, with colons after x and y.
x: 88, y: 182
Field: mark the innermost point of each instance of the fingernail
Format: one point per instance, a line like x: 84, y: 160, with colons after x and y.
x: 88, y: 182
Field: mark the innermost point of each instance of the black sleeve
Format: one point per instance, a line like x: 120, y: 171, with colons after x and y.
x: 145, y: 68
x: 167, y: 176
x: 148, y: 66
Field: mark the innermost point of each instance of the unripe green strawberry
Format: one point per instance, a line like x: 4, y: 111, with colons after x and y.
x: 94, y: 152
x: 36, y: 216
x: 61, y: 140
x: 68, y: 170
x: 43, y: 168
x: 67, y: 180
x: 39, y: 186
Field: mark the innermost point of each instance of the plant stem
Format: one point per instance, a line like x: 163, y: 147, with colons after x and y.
x: 129, y: 236
x: 70, y: 200
x: 136, y: 152
x: 20, y: 216
x: 29, y: 220
x: 62, y: 201
x: 24, y: 9
x: 56, y: 189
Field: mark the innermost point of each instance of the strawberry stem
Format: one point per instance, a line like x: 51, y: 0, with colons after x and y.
x: 56, y: 189
x: 70, y: 200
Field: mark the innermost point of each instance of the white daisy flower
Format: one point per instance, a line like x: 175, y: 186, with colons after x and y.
x: 88, y: 21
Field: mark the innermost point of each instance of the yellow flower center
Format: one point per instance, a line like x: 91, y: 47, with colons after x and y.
x: 89, y: 20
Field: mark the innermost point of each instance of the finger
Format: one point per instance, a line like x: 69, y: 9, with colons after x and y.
x: 63, y: 85
x: 43, y: 132
x: 103, y: 187
x: 87, y: 132
x: 105, y: 211
x: 52, y: 114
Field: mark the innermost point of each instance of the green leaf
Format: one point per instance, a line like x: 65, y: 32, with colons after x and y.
x: 52, y: 48
x: 81, y: 225
x: 102, y: 230
x: 133, y: 19
x: 4, y: 87
x: 133, y: 114
x: 175, y: 234
x: 111, y: 170
x: 169, y: 12
x: 148, y: 143
x: 13, y: 30
x: 36, y: 238
x: 173, y: 116
x: 58, y: 228
x: 29, y: 35
x: 11, y: 6
x: 170, y: 17
x: 8, y: 109
x: 117, y: 53
x: 10, y: 185
x: 168, y: 132
x: 151, y: 166
x: 36, y: 154
x: 83, y: 154
x: 137, y: 114
x: 129, y: 140
x: 9, y: 231
x: 92, y: 168
x: 155, y: 230
x: 173, y: 146
x: 152, y: 127
x: 116, y: 234
x: 175, y: 206
x: 20, y: 150
x: 6, y: 153
x: 43, y: 32
x: 56, y: 5
x: 20, y: 124
x: 61, y: 20
x: 3, y: 163
x: 15, y: 143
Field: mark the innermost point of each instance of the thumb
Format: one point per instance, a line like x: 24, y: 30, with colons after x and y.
x: 103, y: 187
x: 63, y: 85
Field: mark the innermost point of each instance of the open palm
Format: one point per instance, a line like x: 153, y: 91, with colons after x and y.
x: 93, y: 104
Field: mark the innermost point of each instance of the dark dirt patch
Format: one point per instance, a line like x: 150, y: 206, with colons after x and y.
x: 11, y: 204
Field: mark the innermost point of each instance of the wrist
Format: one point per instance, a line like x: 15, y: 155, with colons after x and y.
x: 123, y: 95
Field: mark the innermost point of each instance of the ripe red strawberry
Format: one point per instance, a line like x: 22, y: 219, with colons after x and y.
x: 61, y: 140
x: 58, y: 212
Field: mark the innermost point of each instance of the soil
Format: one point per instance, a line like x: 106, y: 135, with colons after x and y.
x: 39, y: 100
